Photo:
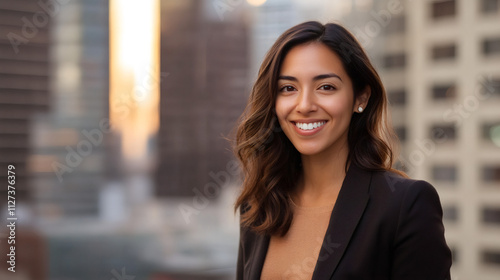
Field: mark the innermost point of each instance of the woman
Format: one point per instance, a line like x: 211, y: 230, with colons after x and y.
x: 320, y: 198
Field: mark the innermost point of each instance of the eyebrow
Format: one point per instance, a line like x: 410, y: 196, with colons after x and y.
x: 315, y: 78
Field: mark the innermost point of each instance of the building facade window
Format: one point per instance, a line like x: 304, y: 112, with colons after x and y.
x: 490, y: 257
x: 491, y: 87
x: 490, y: 6
x: 491, y: 215
x: 443, y: 92
x: 450, y: 213
x: 444, y: 52
x: 491, y: 46
x: 446, y: 173
x: 397, y: 97
x: 442, y: 133
x: 443, y: 9
x: 491, y: 174
x: 396, y: 26
x: 394, y: 61
x: 491, y: 132
x: 401, y: 133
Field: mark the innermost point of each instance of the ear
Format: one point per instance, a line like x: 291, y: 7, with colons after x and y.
x: 362, y: 99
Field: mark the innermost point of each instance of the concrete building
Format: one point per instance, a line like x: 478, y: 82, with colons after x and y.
x: 453, y: 100
x: 439, y: 63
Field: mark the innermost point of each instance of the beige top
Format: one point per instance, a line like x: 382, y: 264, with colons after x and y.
x: 294, y: 256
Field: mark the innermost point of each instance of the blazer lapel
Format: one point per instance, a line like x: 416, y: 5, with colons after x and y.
x: 258, y: 257
x: 351, y: 202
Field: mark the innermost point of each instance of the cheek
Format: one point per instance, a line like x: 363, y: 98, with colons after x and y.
x: 283, y: 108
x: 338, y: 107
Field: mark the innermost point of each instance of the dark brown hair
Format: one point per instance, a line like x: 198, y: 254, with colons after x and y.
x: 271, y: 164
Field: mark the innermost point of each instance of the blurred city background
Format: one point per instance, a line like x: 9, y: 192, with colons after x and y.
x: 115, y: 113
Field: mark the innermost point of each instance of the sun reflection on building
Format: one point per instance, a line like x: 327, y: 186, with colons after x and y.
x: 134, y: 76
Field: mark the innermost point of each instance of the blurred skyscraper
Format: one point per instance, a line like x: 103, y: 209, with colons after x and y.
x: 269, y: 21
x: 439, y: 63
x: 24, y: 92
x: 54, y: 87
x: 24, y: 85
x: 206, y: 59
x: 68, y: 162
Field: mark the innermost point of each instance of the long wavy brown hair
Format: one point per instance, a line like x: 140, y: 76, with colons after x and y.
x: 271, y: 164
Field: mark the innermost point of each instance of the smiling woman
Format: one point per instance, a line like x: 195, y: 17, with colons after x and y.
x: 320, y: 198
x: 315, y: 101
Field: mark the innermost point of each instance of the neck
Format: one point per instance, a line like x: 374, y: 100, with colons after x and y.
x: 324, y: 173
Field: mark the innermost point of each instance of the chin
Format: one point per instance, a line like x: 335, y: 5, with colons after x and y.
x: 307, y: 150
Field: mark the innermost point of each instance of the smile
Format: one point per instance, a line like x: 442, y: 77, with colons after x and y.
x: 309, y: 126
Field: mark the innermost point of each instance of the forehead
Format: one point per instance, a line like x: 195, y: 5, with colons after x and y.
x: 311, y: 59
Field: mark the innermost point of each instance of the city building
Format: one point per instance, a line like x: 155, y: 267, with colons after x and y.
x: 68, y: 158
x: 439, y: 63
x: 24, y: 85
x: 202, y: 96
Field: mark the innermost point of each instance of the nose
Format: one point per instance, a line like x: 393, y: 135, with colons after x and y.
x: 306, y: 102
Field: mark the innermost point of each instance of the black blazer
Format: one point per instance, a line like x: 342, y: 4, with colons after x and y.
x: 382, y: 226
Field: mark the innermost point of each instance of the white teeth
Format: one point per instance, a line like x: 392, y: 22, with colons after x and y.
x: 309, y: 126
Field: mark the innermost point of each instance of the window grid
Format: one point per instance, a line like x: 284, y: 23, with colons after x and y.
x: 443, y: 92
x: 443, y: 9
x: 491, y: 46
x: 394, y: 61
x: 446, y: 173
x: 444, y: 52
x: 442, y: 133
x: 397, y: 97
x: 490, y: 6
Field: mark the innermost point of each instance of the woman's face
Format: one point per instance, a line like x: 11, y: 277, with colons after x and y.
x: 315, y: 101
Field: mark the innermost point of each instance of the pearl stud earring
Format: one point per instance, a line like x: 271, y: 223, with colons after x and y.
x: 360, y: 109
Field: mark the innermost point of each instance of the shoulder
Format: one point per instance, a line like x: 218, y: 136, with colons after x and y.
x: 395, y: 183
x: 403, y: 194
x: 408, y: 205
x: 412, y: 211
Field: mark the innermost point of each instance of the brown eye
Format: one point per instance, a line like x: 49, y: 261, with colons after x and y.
x: 287, y: 88
x: 327, y: 87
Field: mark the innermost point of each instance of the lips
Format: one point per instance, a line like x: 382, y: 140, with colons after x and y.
x: 308, y: 127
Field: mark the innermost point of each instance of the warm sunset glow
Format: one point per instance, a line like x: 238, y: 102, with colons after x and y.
x: 134, y: 73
